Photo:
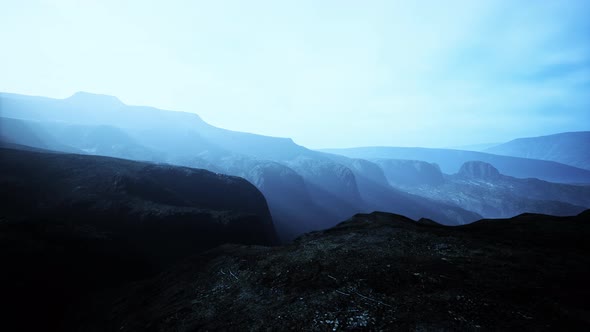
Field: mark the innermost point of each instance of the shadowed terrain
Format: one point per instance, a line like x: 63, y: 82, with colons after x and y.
x: 375, y: 271
x: 180, y: 166
x: 71, y: 224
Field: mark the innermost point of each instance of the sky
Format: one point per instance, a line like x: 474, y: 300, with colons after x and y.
x: 324, y: 73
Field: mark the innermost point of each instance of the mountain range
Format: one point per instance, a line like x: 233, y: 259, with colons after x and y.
x: 450, y: 161
x: 117, y: 217
x: 305, y: 189
x: 480, y: 187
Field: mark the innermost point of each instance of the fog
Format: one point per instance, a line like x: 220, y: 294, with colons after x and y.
x: 328, y: 74
x: 310, y: 189
x: 294, y: 165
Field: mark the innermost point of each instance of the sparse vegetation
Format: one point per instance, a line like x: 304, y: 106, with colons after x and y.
x: 375, y: 272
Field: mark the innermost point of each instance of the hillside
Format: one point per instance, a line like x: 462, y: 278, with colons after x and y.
x: 566, y: 148
x: 373, y: 272
x: 306, y: 190
x: 71, y: 224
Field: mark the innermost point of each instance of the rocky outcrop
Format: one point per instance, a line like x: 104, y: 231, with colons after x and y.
x: 117, y: 196
x: 410, y: 172
x: 450, y: 162
x: 478, y: 170
x: 75, y: 224
x: 480, y: 188
x: 289, y: 197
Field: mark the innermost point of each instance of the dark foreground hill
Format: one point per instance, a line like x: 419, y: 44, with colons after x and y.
x: 71, y: 224
x: 373, y: 272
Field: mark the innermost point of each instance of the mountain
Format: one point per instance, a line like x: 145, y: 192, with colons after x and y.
x: 176, y: 138
x: 566, y: 148
x: 478, y: 170
x: 30, y: 133
x: 380, y: 196
x: 451, y: 160
x: 306, y: 190
x: 101, y: 140
x: 410, y: 172
x: 93, y: 109
x: 119, y: 195
x: 481, y: 188
x: 377, y: 272
x: 71, y: 224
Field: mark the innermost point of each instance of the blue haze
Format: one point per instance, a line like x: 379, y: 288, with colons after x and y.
x: 325, y: 73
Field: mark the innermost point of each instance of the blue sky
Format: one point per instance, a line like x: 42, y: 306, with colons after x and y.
x: 325, y: 73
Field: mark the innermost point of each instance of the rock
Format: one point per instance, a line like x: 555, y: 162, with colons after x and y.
x: 478, y: 170
x: 74, y: 224
x: 376, y: 272
x: 411, y: 172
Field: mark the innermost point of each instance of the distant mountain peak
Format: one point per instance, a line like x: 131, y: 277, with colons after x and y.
x: 478, y: 170
x: 82, y: 97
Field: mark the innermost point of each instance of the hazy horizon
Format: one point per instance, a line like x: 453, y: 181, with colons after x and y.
x: 327, y: 75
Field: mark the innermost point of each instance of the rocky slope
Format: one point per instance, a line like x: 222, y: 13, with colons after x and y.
x: 373, y: 272
x: 481, y: 188
x: 70, y: 224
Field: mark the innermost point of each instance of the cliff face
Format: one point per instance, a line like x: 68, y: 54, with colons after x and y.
x: 478, y: 170
x: 71, y: 224
x: 126, y: 198
x: 411, y: 172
